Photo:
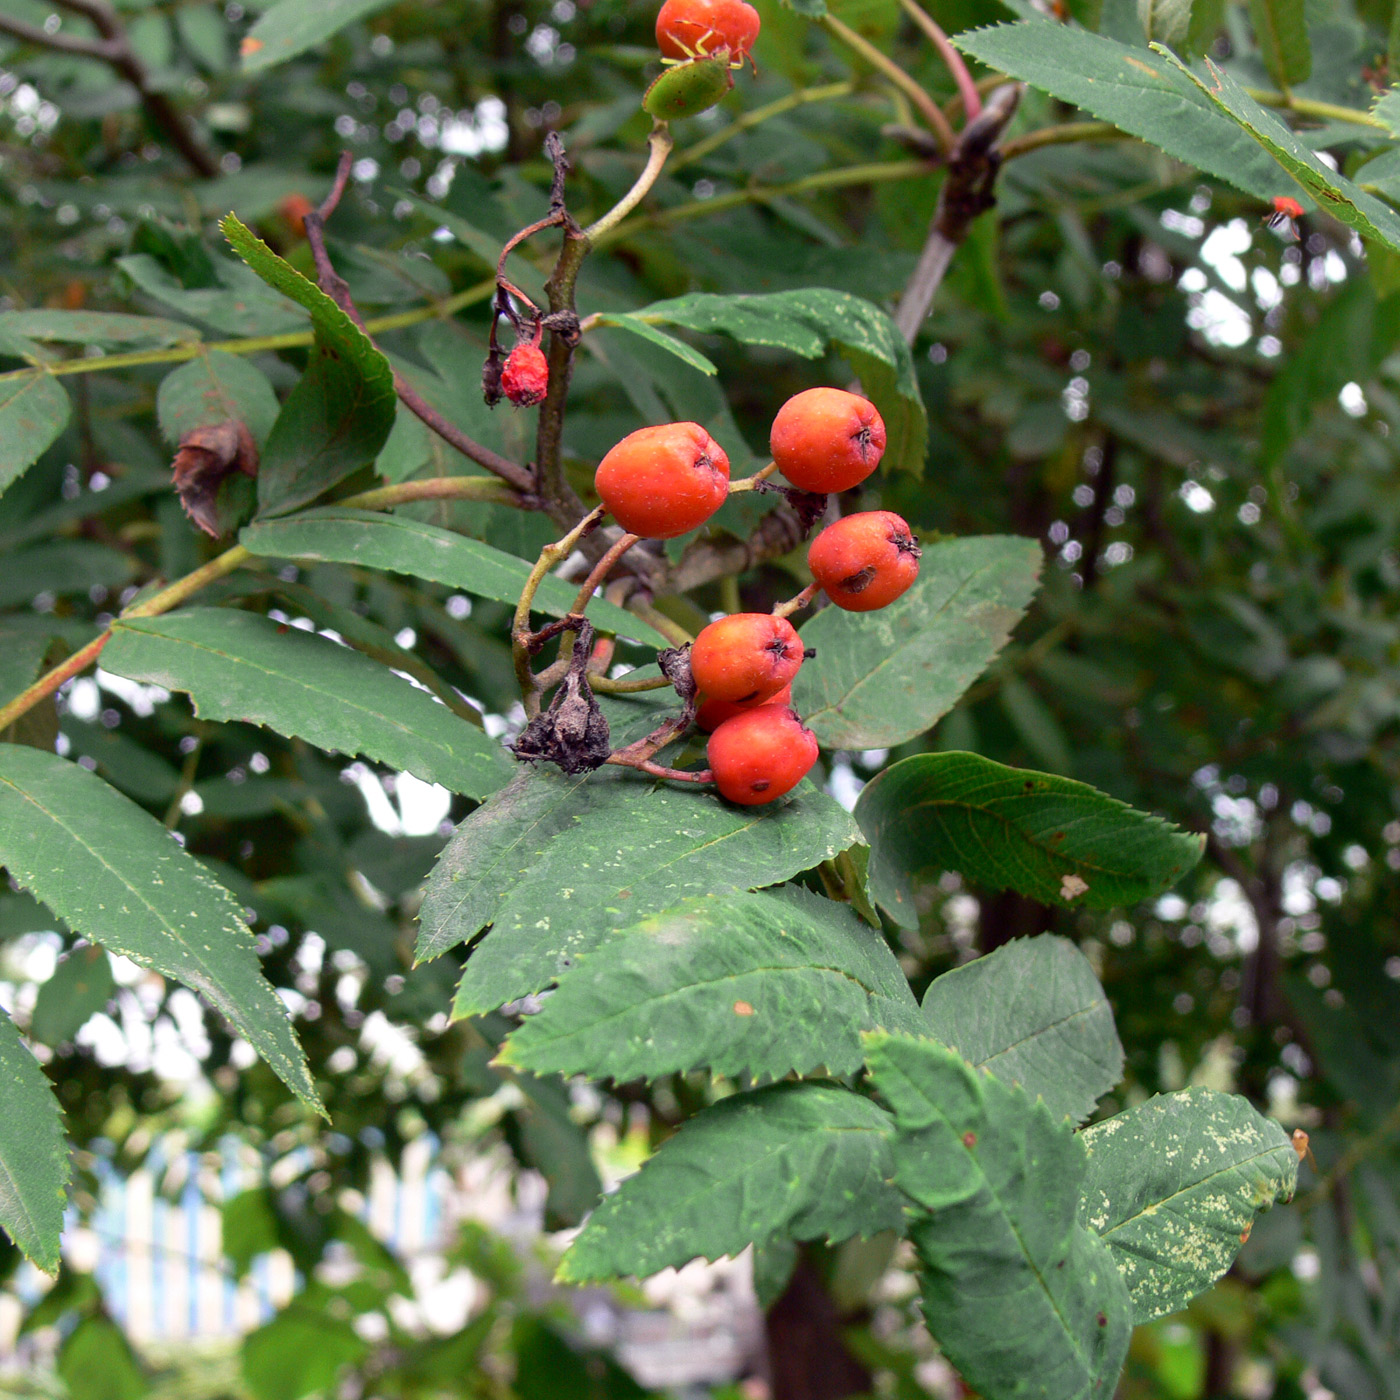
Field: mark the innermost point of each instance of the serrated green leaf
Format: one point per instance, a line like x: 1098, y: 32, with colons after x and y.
x: 1173, y: 1188
x: 806, y: 1161
x: 34, y: 409
x: 95, y: 328
x: 212, y: 389
x: 1346, y: 202
x: 1140, y: 92
x: 1386, y: 108
x: 242, y: 666
x: 115, y: 875
x: 1281, y: 31
x: 880, y: 678
x: 741, y: 984
x: 1034, y: 1014
x: 241, y: 304
x: 669, y: 343
x: 558, y: 866
x: 291, y: 27
x: 809, y: 323
x: 1022, y: 1298
x: 80, y: 987
x: 340, y: 413
x: 1053, y: 839
x: 34, y: 1165
x: 407, y: 546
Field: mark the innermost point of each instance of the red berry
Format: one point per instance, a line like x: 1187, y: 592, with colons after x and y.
x: 746, y: 657
x: 827, y: 440
x: 713, y: 713
x: 865, y: 561
x: 661, y: 482
x: 525, y: 378
x: 761, y: 754
x: 687, y: 28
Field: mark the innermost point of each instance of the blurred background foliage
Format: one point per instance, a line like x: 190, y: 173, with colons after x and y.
x: 1191, y: 411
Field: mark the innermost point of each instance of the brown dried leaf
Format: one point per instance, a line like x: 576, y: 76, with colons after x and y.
x: 206, y: 456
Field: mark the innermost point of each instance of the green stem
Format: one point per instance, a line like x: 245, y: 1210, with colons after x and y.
x: 1323, y: 111
x: 931, y: 112
x: 661, y: 144
x: 550, y: 555
x: 877, y: 172
x: 455, y: 488
x: 627, y: 685
x: 672, y: 631
x: 1061, y: 135
x: 828, y: 92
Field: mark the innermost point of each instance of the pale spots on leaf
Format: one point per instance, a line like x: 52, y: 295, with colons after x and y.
x: 1071, y: 887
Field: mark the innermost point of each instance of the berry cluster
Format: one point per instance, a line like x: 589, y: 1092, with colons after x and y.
x: 664, y: 481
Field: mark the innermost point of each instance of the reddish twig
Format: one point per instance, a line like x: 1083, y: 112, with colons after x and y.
x: 335, y: 287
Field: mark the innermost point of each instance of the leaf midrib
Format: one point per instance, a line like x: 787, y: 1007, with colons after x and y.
x: 1193, y: 1186
x: 339, y: 700
x: 156, y: 913
x: 1073, y: 862
x: 690, y: 987
x: 834, y: 707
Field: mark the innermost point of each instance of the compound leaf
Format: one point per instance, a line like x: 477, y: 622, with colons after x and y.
x: 115, y: 875
x: 34, y: 1166
x: 340, y: 413
x: 407, y: 546
x: 1053, y: 839
x: 1022, y: 1298
x: 1034, y: 1014
x: 809, y: 322
x: 805, y: 1161
x: 880, y: 678
x: 1173, y: 1187
x: 740, y: 984
x: 241, y: 666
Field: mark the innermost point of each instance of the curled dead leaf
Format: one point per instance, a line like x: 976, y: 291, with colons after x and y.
x: 205, y: 457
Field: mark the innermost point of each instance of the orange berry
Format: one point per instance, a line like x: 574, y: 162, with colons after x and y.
x: 525, y: 376
x: 713, y: 713
x: 827, y: 440
x: 294, y: 210
x: 687, y: 28
x: 746, y: 657
x: 865, y: 561
x: 661, y: 482
x: 761, y: 754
